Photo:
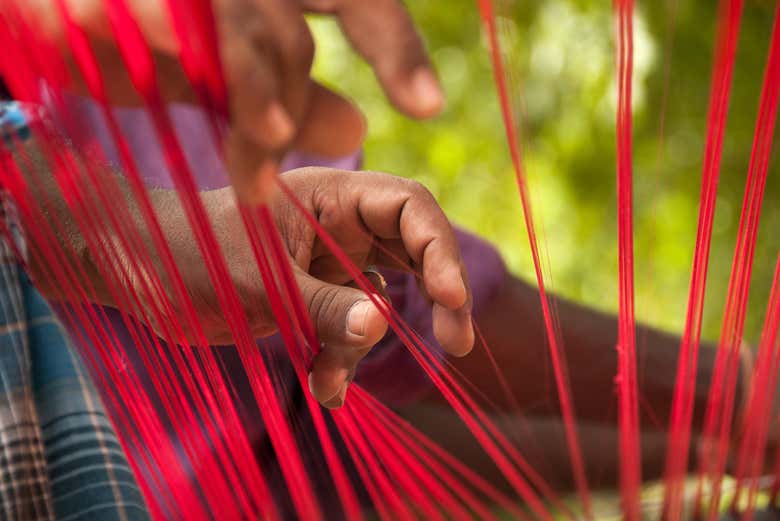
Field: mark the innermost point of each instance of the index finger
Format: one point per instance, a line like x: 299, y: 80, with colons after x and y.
x: 396, y: 208
x: 384, y: 34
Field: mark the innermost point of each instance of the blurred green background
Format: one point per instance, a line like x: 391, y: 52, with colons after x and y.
x: 560, y: 53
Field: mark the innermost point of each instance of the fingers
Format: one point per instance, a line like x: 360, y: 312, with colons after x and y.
x: 348, y: 324
x: 384, y: 34
x: 398, y: 208
x: 256, y: 108
x: 435, y: 248
x: 252, y: 170
x: 267, y: 52
x: 259, y: 122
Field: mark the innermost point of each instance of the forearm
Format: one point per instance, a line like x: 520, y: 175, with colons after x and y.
x: 513, y: 327
x: 591, y: 338
x: 50, y: 227
x: 85, y: 227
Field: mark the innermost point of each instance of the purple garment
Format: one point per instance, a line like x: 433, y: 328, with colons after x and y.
x: 192, y: 129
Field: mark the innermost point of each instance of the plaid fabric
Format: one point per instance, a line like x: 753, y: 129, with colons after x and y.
x: 59, y: 455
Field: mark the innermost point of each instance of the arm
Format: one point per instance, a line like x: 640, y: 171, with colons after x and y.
x: 589, y: 338
x: 42, y: 189
x: 395, y: 210
x: 513, y: 327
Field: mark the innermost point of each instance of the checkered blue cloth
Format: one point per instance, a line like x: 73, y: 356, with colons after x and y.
x: 60, y: 458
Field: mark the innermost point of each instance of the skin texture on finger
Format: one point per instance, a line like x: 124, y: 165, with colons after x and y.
x: 328, y: 379
x: 354, y: 206
x: 293, y: 47
x: 418, y: 221
x: 334, y: 367
x: 267, y: 51
x: 430, y: 243
x: 253, y: 80
x: 327, y: 194
x: 453, y: 330
x: 332, y: 372
x: 348, y: 324
x: 252, y: 173
x: 384, y: 34
x: 342, y: 315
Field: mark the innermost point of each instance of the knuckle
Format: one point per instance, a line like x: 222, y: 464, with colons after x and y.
x: 330, y: 200
x: 323, y: 308
x: 407, y: 186
x: 418, y: 190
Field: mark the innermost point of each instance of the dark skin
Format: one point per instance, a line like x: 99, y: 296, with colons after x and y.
x: 513, y: 328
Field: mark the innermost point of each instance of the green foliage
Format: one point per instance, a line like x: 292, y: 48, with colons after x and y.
x: 560, y: 55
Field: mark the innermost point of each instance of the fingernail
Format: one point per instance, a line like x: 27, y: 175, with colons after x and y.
x: 356, y: 317
x: 427, y: 91
x: 311, y: 386
x: 280, y: 128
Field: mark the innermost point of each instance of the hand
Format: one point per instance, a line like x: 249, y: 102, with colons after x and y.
x: 267, y: 49
x: 358, y: 209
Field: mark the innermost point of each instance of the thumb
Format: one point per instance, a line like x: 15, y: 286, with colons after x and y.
x: 348, y: 324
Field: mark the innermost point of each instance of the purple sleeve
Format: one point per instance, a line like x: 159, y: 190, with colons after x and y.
x: 196, y: 139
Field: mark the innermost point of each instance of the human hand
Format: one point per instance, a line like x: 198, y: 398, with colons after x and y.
x: 360, y: 210
x: 267, y: 50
